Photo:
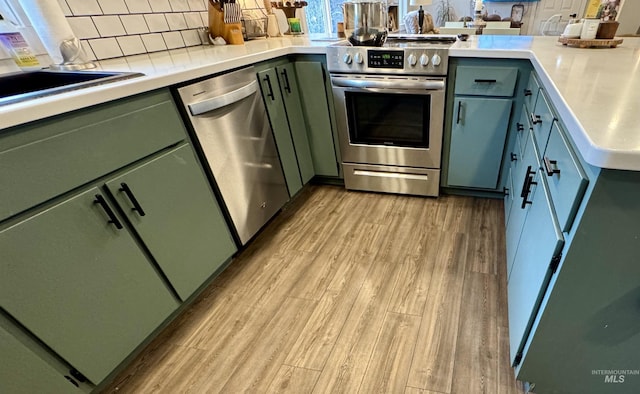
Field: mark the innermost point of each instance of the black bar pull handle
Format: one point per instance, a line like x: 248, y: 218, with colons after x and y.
x: 136, y: 205
x: 525, y: 186
x: 505, y: 191
x: 270, y: 94
x: 107, y: 209
x: 528, y: 92
x: 486, y: 81
x: 514, y: 157
x: 519, y: 127
x: 529, y: 182
x: 535, y: 119
x: 458, y: 116
x: 287, y: 87
x: 551, y: 166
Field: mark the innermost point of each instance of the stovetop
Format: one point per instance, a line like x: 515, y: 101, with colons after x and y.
x: 409, y: 54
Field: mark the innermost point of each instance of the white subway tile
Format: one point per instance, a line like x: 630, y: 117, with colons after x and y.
x: 179, y: 5
x: 65, y: 8
x: 156, y: 22
x: 105, y: 48
x: 88, y: 52
x: 205, y: 18
x: 138, y: 6
x: 173, y: 39
x: 84, y: 7
x: 131, y: 45
x: 176, y: 21
x: 113, y: 7
x: 190, y: 37
x: 160, y: 6
x: 153, y: 42
x: 134, y: 24
x: 83, y: 27
x: 193, y: 20
x: 198, y: 5
x: 109, y: 25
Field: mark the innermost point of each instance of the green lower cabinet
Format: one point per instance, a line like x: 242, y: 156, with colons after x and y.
x: 23, y: 372
x: 478, y: 134
x: 80, y: 284
x: 271, y: 92
x: 318, y: 109
x: 173, y: 210
x: 295, y: 115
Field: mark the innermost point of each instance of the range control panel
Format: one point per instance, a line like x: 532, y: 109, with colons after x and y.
x: 385, y: 59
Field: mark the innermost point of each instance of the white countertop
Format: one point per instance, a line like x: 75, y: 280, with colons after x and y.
x: 596, y: 91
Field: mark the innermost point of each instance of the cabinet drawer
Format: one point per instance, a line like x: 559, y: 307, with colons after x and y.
x: 531, y: 93
x: 542, y: 119
x: 42, y: 160
x: 565, y: 176
x: 486, y: 81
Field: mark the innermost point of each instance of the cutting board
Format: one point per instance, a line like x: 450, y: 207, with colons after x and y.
x: 594, y: 43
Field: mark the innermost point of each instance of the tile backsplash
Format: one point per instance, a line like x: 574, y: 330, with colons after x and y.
x: 114, y: 28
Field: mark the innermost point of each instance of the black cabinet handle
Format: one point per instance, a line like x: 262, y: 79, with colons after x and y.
x: 505, y: 191
x: 485, y: 81
x: 528, y: 92
x: 548, y: 166
x: 535, y: 119
x: 136, y: 205
x: 525, y: 202
x: 525, y: 186
x: 458, y: 116
x: 287, y: 87
x: 514, y: 157
x: 270, y: 94
x: 112, y: 217
x: 519, y: 127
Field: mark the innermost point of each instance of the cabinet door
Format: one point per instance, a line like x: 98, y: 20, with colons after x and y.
x: 315, y: 104
x: 22, y: 371
x: 478, y: 134
x: 292, y: 104
x: 540, y: 242
x: 271, y: 93
x: 182, y: 225
x: 81, y: 285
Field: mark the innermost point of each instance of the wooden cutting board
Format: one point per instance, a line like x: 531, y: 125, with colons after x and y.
x: 595, y: 43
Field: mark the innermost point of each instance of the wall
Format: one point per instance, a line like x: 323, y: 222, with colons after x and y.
x: 629, y: 17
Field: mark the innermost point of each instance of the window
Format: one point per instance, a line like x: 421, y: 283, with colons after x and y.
x: 323, y: 15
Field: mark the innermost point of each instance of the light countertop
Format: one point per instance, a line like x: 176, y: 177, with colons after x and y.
x: 596, y: 91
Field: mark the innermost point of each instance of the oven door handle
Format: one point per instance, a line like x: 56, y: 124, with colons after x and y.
x: 387, y: 84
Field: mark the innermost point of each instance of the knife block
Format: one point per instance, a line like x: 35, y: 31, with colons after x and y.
x: 231, y: 32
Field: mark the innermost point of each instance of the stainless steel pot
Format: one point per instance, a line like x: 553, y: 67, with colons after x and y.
x: 365, y: 23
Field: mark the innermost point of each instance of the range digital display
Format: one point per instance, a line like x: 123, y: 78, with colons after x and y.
x: 385, y: 59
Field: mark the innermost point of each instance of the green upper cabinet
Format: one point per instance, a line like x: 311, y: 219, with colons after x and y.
x: 319, y: 114
x: 477, y: 141
x: 80, y: 284
x: 171, y: 207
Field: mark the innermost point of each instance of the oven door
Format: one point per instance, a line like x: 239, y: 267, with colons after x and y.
x: 390, y: 120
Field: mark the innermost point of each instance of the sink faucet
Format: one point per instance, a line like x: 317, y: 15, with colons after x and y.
x: 73, y: 57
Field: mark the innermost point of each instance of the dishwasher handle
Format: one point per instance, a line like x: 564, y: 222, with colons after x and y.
x: 224, y: 100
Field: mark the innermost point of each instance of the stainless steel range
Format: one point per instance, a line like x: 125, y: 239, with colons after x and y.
x: 390, y: 112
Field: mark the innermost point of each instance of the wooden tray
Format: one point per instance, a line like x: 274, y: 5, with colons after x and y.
x: 595, y: 43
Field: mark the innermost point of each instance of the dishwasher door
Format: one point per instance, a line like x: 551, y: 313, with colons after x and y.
x: 233, y: 131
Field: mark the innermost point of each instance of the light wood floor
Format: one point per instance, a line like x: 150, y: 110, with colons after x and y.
x: 348, y: 292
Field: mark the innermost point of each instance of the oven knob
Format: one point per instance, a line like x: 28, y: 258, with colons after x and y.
x: 424, y: 59
x: 346, y: 58
x: 412, y: 60
x: 358, y: 58
x: 436, y: 59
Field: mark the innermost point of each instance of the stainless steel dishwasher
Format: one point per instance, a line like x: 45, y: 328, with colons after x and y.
x: 232, y: 127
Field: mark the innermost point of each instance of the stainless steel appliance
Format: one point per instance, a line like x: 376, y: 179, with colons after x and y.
x: 390, y: 112
x: 233, y: 131
x: 365, y: 22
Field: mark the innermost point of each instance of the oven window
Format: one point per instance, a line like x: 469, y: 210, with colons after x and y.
x: 388, y: 119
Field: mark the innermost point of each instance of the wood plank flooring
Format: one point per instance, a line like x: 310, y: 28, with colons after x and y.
x: 348, y: 292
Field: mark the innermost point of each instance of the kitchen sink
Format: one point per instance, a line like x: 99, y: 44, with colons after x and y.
x: 27, y: 85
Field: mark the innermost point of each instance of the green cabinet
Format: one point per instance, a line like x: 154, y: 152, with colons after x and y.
x: 282, y: 100
x: 478, y: 138
x: 171, y: 207
x: 80, y: 284
x: 319, y: 114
